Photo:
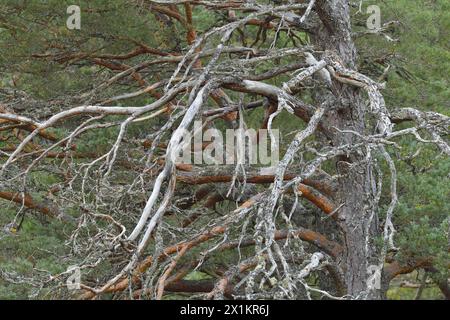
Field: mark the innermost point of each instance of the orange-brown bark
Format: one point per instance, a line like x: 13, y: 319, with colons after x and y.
x: 28, y: 202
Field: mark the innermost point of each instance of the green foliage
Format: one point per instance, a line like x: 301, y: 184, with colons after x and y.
x: 38, y: 244
x: 418, y: 77
x: 420, y: 60
x: 38, y: 28
x: 399, y: 293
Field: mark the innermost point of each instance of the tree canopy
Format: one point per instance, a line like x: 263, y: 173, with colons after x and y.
x: 92, y: 121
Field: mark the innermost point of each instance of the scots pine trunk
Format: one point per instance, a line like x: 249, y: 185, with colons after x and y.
x: 356, y: 182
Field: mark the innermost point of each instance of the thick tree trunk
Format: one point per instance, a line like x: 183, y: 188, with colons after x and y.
x: 356, y: 181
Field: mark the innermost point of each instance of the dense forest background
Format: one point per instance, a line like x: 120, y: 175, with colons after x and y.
x: 417, y: 51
